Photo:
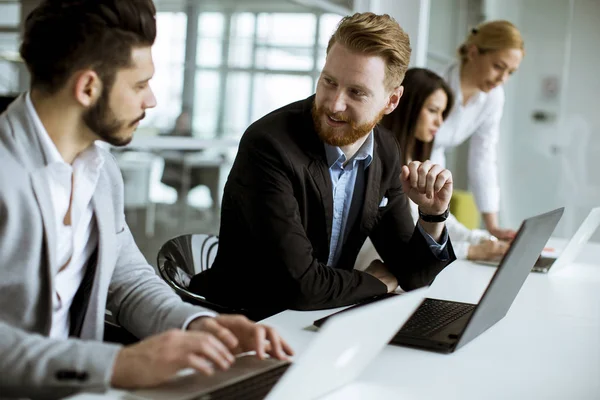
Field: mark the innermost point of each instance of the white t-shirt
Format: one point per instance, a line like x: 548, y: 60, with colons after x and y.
x: 480, y: 120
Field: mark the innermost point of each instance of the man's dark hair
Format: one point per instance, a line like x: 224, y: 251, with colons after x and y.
x: 64, y: 36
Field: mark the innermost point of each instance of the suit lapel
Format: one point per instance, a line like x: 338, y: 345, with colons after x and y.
x: 371, y: 203
x: 44, y: 200
x: 317, y: 167
x: 24, y: 143
x: 93, y: 325
x: 320, y: 174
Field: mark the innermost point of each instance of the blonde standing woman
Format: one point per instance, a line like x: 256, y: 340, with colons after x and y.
x: 490, y: 55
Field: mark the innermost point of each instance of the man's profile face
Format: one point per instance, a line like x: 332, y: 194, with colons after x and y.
x: 351, y: 96
x: 118, y: 111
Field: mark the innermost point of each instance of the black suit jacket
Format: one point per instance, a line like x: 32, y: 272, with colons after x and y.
x: 276, y: 222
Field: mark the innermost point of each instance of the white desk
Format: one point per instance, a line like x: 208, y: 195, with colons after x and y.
x: 547, y: 347
x: 153, y: 143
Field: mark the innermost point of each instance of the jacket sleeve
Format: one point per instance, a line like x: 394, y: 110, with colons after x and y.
x: 401, y: 245
x: 463, y: 237
x: 37, y: 367
x: 139, y: 299
x: 265, y: 193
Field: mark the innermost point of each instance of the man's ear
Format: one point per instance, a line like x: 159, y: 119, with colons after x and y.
x: 394, y: 99
x: 87, y: 88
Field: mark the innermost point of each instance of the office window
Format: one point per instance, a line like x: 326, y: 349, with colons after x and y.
x: 10, y: 15
x: 274, y: 91
x: 241, y: 40
x: 251, y: 63
x: 237, y: 109
x: 286, y: 41
x: 326, y: 28
x: 208, y: 93
x: 287, y: 29
x: 169, y: 59
x: 210, y: 39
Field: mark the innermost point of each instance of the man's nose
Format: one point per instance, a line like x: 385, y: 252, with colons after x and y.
x: 338, y: 103
x: 149, y: 100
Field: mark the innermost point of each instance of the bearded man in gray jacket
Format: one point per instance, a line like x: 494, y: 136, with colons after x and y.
x: 66, y: 252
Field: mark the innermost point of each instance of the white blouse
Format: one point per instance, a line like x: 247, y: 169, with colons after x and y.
x: 461, y: 237
x: 480, y: 120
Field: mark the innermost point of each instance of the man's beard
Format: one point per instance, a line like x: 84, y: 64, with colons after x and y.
x: 102, y: 121
x: 333, y: 136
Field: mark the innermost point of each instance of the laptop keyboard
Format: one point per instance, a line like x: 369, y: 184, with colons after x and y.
x: 434, y: 314
x: 253, y: 388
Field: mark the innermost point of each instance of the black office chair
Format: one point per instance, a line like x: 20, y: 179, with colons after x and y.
x: 185, y: 256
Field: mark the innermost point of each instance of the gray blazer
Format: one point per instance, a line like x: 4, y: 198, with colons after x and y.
x: 32, y: 364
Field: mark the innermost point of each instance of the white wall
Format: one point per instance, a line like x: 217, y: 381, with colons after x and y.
x: 559, y: 50
x: 448, y: 28
x: 583, y: 90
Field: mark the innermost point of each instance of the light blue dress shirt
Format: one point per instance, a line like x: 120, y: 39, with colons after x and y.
x: 348, y: 179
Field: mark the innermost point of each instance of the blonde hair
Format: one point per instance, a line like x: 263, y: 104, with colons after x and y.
x: 492, y: 36
x: 378, y: 35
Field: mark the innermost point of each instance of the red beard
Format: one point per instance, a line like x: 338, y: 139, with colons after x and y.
x: 344, y: 135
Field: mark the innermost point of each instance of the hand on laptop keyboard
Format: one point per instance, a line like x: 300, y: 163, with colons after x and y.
x: 488, y: 250
x: 241, y: 335
x: 156, y: 359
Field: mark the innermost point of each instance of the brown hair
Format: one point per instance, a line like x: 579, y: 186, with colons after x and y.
x: 492, y: 36
x: 419, y: 84
x: 379, y: 35
x: 65, y: 36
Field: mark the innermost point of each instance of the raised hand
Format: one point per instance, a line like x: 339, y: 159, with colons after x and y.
x: 428, y: 185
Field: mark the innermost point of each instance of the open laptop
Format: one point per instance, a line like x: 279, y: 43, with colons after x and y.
x: 445, y: 326
x: 337, y: 355
x: 546, y: 263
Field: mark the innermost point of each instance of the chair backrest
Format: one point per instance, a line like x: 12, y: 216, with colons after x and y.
x: 204, y: 251
x: 192, y: 253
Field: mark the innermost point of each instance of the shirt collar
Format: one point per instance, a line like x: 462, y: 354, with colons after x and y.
x: 90, y: 156
x: 335, y: 155
x: 48, y: 146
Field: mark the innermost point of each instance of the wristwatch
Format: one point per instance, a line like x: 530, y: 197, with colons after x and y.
x: 435, y: 218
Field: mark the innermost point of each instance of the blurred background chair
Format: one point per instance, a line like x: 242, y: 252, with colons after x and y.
x: 184, y: 170
x: 136, y: 168
x: 141, y: 177
x: 463, y: 207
